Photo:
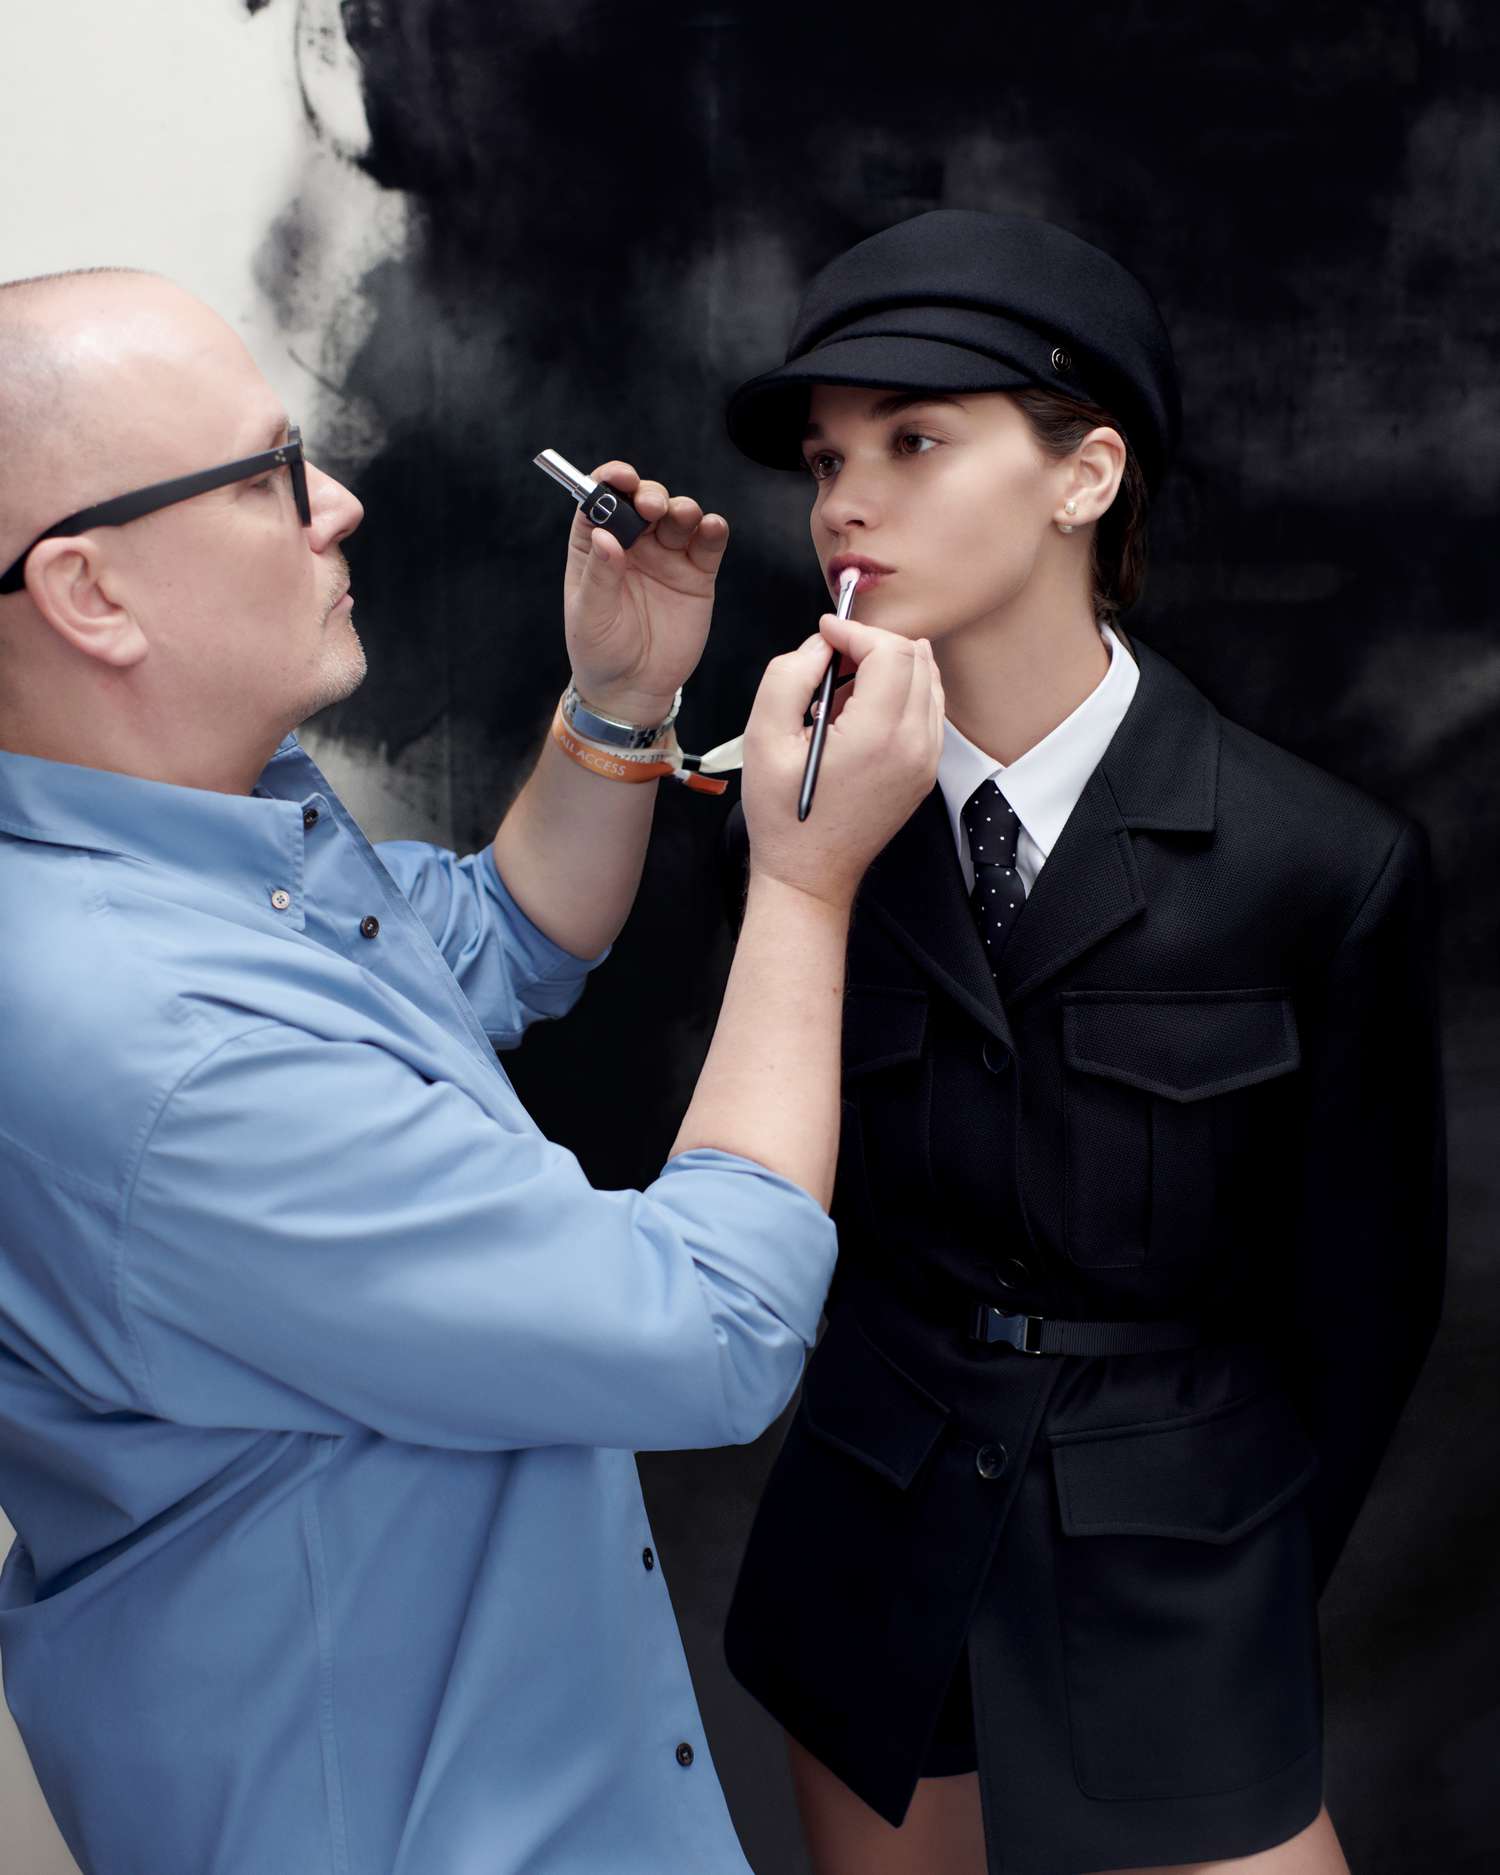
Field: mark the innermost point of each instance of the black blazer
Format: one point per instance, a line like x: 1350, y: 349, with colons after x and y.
x: 1209, y: 1087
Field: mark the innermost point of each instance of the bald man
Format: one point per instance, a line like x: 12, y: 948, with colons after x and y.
x: 321, y: 1370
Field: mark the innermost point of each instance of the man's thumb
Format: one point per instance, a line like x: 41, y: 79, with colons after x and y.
x: 602, y: 572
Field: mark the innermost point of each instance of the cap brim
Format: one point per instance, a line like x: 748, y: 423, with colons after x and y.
x: 768, y: 415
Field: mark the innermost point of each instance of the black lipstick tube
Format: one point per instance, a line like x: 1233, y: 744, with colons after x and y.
x: 599, y: 504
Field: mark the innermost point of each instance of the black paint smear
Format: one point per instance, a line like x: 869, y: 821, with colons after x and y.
x: 579, y: 169
x: 617, y: 207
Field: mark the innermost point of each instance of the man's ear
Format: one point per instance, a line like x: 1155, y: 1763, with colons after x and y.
x: 72, y: 586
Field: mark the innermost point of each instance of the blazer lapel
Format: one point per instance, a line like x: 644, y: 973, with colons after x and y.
x: 1158, y: 773
x: 915, y: 888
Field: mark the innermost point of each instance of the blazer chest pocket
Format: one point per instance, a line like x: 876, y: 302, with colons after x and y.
x: 1186, y: 1604
x: 1150, y: 1080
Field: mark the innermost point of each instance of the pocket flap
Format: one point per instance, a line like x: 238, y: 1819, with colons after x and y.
x: 883, y: 1024
x: 856, y: 1398
x: 1186, y: 1044
x: 1210, y: 1476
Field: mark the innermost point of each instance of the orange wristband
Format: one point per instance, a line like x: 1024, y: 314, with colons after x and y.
x: 659, y: 764
x: 612, y: 764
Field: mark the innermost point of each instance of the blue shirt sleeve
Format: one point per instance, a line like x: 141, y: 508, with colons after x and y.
x: 319, y: 1239
x: 512, y: 972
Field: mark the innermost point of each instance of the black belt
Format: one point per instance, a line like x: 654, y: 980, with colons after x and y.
x: 1040, y: 1334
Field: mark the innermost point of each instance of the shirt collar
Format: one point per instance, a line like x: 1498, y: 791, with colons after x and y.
x: 252, y: 840
x: 1044, y: 783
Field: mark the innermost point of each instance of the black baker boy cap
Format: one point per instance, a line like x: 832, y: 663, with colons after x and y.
x: 960, y: 300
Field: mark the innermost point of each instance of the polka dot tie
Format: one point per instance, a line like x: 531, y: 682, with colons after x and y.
x: 993, y: 830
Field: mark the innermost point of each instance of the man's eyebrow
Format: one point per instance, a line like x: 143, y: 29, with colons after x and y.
x: 888, y: 407
x: 277, y: 434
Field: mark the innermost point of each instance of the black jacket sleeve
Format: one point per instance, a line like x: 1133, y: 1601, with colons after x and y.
x: 1358, y: 1303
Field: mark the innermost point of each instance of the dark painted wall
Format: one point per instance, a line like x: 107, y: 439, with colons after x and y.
x: 617, y: 205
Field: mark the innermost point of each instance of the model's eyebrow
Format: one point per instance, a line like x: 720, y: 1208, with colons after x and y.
x: 889, y: 405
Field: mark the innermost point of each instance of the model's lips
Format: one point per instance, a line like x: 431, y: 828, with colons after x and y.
x: 345, y: 598
x: 871, y: 572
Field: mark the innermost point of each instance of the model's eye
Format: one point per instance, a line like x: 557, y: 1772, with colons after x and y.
x: 822, y: 465
x: 924, y: 443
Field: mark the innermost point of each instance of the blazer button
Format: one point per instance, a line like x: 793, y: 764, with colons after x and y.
x: 1012, y: 1273
x: 648, y: 1561
x: 369, y: 927
x: 996, y: 1055
x: 684, y: 1755
x: 991, y: 1460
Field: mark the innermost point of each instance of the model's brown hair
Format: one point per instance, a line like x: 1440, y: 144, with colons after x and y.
x: 1118, y: 570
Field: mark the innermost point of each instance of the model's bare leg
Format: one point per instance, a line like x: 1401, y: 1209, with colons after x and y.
x: 943, y: 1830
x: 1313, y: 1851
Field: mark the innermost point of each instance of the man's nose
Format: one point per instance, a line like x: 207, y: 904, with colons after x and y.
x: 336, y: 512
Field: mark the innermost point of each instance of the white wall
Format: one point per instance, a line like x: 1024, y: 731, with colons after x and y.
x: 170, y: 134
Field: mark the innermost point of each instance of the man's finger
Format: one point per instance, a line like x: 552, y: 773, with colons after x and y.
x: 603, y: 568
x: 651, y: 501
x: 855, y: 640
x: 706, y: 548
x: 789, y: 682
x: 619, y: 475
x: 679, y: 521
x: 887, y: 666
x: 918, y: 716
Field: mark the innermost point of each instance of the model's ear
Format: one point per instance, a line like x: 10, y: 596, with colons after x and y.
x: 1097, y: 465
x: 72, y: 585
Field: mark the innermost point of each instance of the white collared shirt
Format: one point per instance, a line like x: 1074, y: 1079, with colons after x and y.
x: 1044, y: 783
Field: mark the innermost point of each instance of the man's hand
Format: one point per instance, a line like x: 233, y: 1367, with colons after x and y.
x: 880, y: 760
x: 637, y: 621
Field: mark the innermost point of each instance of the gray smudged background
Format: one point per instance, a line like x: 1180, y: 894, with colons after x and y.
x: 589, y: 221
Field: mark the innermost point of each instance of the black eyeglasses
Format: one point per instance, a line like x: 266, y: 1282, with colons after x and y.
x: 131, y: 507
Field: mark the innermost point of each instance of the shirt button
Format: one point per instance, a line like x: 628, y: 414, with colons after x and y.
x: 684, y: 1755
x: 309, y: 817
x: 991, y: 1460
x: 996, y: 1055
x: 369, y: 927
x: 280, y: 899
x: 648, y: 1559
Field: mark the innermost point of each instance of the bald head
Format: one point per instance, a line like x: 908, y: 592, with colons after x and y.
x: 183, y: 644
x: 81, y: 357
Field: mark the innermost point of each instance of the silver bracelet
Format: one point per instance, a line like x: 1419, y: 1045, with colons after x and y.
x: 608, y: 729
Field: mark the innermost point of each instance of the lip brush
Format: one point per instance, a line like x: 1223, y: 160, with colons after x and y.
x: 848, y: 582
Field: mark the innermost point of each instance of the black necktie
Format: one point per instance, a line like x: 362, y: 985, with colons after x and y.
x: 993, y: 830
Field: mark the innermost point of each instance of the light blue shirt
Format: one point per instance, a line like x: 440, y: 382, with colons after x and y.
x: 321, y: 1370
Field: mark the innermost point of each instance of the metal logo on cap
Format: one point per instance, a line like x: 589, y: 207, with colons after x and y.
x: 1061, y: 361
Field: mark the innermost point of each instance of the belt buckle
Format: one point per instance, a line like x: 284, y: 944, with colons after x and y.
x: 1021, y: 1332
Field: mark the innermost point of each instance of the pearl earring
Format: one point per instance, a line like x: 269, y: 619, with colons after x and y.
x: 1069, y: 507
